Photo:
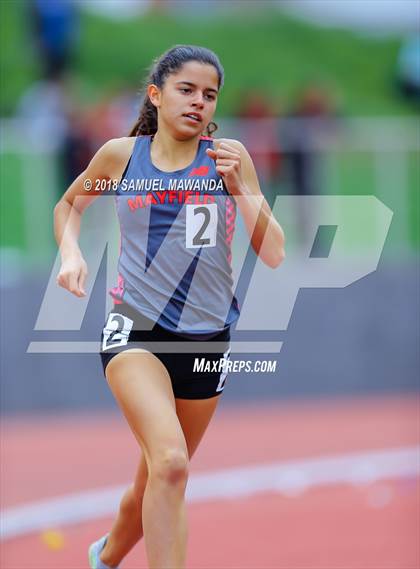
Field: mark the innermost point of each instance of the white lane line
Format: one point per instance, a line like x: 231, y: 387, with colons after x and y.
x: 287, y: 477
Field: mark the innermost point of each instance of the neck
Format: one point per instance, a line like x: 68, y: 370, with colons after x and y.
x: 168, y: 153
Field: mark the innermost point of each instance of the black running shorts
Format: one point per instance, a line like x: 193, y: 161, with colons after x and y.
x: 194, y: 373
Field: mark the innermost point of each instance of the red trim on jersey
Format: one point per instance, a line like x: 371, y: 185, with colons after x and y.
x: 118, y: 291
x: 206, y: 138
x: 230, y: 226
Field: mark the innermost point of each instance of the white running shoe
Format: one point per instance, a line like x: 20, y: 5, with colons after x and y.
x: 94, y: 552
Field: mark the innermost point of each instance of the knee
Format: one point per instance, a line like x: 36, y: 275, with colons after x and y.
x: 171, y: 466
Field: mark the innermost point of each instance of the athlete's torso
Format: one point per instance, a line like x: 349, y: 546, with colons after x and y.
x: 176, y: 233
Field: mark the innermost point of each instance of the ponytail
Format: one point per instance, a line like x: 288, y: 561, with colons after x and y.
x: 147, y: 121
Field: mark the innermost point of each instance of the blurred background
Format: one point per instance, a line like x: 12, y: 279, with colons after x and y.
x: 326, y: 97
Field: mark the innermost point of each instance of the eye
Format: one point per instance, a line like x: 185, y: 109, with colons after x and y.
x: 185, y: 89
x: 210, y: 97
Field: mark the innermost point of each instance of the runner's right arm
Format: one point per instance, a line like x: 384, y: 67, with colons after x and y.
x: 108, y: 162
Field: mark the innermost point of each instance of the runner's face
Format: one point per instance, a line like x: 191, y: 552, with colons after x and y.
x: 188, y: 100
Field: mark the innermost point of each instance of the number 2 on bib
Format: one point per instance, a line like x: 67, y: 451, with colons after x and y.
x: 201, y: 225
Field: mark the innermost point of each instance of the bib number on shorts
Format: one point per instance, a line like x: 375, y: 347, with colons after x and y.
x: 201, y: 225
x: 116, y: 331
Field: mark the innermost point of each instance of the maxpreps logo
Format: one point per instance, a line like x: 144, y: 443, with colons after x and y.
x: 270, y: 294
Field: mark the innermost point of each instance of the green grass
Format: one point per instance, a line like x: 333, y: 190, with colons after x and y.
x: 414, y: 198
x: 18, y: 63
x: 353, y: 174
x: 266, y: 50
x: 12, y: 226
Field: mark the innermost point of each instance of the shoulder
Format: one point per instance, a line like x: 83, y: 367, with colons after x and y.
x: 117, y: 148
x: 113, y: 156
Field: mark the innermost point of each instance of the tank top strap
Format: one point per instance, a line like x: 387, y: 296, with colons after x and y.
x: 139, y: 146
x: 206, y: 142
x: 136, y: 153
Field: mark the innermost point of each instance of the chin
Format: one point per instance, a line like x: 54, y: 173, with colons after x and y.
x: 187, y: 133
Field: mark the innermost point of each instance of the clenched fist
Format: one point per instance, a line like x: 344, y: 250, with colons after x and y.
x: 72, y: 275
x: 228, y: 165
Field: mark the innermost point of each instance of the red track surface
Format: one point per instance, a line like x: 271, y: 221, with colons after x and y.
x: 341, y: 526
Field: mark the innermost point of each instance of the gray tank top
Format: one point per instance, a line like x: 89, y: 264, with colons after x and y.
x: 176, y: 233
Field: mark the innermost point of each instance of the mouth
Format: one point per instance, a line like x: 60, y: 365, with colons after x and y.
x: 196, y: 117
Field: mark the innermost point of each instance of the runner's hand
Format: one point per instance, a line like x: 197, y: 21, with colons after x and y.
x: 228, y: 165
x: 73, y: 274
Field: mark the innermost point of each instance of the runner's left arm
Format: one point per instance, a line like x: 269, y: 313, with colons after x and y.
x: 235, y: 165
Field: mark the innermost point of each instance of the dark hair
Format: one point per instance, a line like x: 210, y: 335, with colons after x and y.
x: 170, y: 62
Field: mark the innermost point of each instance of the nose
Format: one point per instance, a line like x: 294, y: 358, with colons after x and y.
x: 198, y: 100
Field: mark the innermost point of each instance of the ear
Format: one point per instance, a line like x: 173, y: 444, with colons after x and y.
x: 154, y: 94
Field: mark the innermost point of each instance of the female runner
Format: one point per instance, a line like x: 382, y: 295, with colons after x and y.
x: 176, y: 195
